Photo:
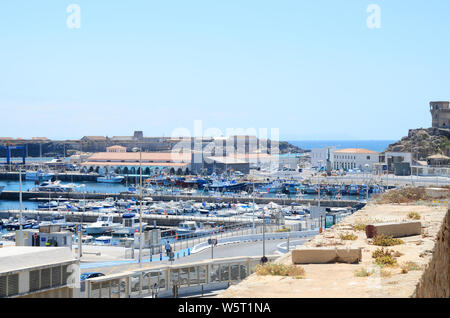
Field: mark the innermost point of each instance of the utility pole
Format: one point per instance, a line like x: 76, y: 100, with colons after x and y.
x: 20, y: 208
x: 253, y: 217
x: 80, y: 240
x: 140, y: 208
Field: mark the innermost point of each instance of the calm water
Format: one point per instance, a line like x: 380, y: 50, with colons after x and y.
x: 90, y: 186
x: 375, y: 145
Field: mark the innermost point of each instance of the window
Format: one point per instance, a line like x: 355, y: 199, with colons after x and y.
x: 56, y: 276
x: 3, y: 280
x: 34, y: 280
x: 368, y: 157
x: 45, y: 278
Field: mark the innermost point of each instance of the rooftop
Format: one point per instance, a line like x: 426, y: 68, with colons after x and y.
x: 16, y: 258
x: 135, y: 156
x: 356, y: 151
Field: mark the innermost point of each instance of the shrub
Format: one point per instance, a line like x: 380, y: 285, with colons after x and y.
x: 383, y: 240
x: 348, y: 236
x: 385, y: 260
x: 283, y: 229
x: 382, y: 252
x: 359, y: 227
x: 280, y: 270
x: 414, y: 215
x: 384, y: 257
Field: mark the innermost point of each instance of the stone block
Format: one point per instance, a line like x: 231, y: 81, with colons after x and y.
x: 394, y: 229
x: 326, y: 255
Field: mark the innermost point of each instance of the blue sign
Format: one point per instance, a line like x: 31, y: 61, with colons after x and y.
x: 43, y: 239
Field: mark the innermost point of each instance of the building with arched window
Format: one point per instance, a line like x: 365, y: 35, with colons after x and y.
x: 130, y: 162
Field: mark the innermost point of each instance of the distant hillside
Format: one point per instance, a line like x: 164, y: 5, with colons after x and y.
x: 286, y: 147
x: 423, y: 142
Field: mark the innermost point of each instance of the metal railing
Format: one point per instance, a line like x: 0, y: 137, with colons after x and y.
x: 170, y: 280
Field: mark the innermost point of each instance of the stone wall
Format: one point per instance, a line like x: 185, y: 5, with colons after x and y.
x: 435, y: 281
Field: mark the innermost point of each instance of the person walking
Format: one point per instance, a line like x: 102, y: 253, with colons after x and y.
x: 168, y: 248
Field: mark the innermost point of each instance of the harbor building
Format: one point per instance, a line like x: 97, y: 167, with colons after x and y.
x: 440, y: 114
x: 319, y: 156
x: 46, y: 235
x: 116, y: 148
x: 201, y: 164
x: 38, y: 272
x: 129, y: 162
x: 355, y: 158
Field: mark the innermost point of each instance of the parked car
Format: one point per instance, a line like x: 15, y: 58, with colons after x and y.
x: 88, y: 275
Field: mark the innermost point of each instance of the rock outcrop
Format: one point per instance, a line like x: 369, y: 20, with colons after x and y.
x: 423, y: 142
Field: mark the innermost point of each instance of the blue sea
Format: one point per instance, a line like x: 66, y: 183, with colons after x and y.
x: 375, y: 145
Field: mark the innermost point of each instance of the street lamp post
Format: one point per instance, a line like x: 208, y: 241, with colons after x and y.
x: 264, y: 238
x: 140, y: 208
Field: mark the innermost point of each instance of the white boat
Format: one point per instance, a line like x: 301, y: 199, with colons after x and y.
x: 130, y: 225
x: 55, y: 186
x: 38, y: 175
x: 103, y: 240
x: 110, y: 178
x: 190, y: 227
x: 104, y: 224
x: 85, y: 239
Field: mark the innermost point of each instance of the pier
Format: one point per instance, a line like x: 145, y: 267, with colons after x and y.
x: 64, y: 196
x: 161, y: 220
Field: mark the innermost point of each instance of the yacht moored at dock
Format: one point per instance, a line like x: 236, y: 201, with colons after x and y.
x: 38, y: 175
x: 103, y: 224
x: 110, y: 178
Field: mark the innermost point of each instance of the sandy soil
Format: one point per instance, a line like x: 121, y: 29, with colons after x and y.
x: 339, y: 280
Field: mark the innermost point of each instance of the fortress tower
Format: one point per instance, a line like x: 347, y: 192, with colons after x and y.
x: 440, y: 114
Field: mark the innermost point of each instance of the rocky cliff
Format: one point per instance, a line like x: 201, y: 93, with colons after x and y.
x: 423, y: 142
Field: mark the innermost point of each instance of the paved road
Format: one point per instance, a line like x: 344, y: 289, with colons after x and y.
x: 230, y: 250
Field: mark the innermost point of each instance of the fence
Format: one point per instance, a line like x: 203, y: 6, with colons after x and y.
x: 180, y: 246
x: 171, y: 280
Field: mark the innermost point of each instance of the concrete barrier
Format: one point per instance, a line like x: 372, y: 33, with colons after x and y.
x: 254, y: 237
x: 323, y: 255
x: 394, y: 229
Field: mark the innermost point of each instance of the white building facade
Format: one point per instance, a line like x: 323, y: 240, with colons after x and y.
x: 355, y: 158
x: 319, y: 156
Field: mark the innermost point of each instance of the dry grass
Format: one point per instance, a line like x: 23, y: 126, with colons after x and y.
x: 383, y: 240
x: 404, y: 195
x: 414, y: 215
x: 348, y: 236
x: 273, y: 269
x: 363, y: 272
x: 385, y: 273
x: 410, y: 266
x: 359, y: 227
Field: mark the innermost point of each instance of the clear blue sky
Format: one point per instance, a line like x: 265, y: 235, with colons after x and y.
x: 313, y: 69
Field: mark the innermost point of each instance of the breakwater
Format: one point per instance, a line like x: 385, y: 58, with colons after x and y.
x: 29, y: 195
